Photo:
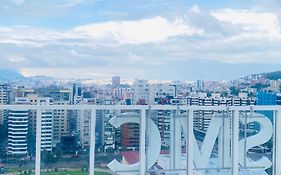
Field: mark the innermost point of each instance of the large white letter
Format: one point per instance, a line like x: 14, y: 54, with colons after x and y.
x: 260, y: 138
x: 153, y: 144
x: 202, y: 157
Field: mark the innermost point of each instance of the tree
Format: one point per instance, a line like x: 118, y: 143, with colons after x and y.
x: 234, y: 91
x: 48, y: 157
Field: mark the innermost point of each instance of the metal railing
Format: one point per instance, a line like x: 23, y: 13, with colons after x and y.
x: 142, y: 150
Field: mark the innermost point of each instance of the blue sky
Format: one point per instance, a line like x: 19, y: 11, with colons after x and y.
x: 150, y: 39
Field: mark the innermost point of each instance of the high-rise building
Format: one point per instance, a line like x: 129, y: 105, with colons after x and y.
x: 22, y: 91
x: 60, y: 94
x: 163, y: 119
x: 108, y: 136
x: 76, y: 93
x: 18, y: 130
x: 83, y: 123
x: 46, y: 120
x: 60, y: 117
x: 130, y: 135
x: 105, y: 132
x: 141, y: 91
x: 200, y: 85
x: 47, y: 131
x: 83, y: 126
x: 61, y: 121
x: 115, y: 82
x: 4, y: 99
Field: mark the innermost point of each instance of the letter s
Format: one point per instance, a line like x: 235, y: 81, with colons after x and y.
x: 260, y: 138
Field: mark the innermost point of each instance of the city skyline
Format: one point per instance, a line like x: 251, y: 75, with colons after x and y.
x: 93, y: 126
x: 99, y: 39
x: 140, y: 87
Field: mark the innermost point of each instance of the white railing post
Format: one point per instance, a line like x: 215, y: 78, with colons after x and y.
x: 235, y: 142
x: 277, y: 146
x: 224, y: 141
x: 175, y: 140
x: 38, y: 142
x: 92, y: 141
x: 142, y: 142
x: 189, y: 143
x: 82, y: 123
x: 172, y: 141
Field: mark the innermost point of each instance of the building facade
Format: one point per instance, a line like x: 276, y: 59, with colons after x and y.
x: 4, y: 99
x: 18, y: 124
x: 141, y: 91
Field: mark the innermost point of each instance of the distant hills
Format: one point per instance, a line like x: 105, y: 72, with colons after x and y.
x: 6, y: 74
x: 9, y: 74
x: 272, y: 75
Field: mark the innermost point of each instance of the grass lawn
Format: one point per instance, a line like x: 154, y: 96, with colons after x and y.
x: 74, y: 173
x: 66, y: 173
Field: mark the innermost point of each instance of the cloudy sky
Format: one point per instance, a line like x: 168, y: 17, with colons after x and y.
x: 150, y: 39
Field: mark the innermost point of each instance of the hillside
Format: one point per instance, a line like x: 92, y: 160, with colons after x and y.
x: 272, y: 75
x: 9, y: 74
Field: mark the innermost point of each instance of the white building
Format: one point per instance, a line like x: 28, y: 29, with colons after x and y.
x: 47, y: 130
x: 274, y: 85
x: 83, y: 126
x: 108, y: 136
x: 105, y: 132
x: 18, y: 130
x: 202, y: 118
x: 160, y: 92
x: 83, y: 123
x: 122, y: 93
x: 141, y: 91
x: 47, y: 120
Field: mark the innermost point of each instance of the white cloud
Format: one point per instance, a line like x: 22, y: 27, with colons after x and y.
x: 78, y: 54
x: 147, y: 47
x: 151, y: 30
x: 16, y: 58
x: 256, y: 24
x: 70, y: 3
x: 5, y: 29
x: 156, y: 29
x: 18, y: 2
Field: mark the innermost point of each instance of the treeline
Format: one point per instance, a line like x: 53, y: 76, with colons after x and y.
x: 273, y: 75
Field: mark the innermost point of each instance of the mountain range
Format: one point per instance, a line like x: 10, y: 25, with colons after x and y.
x: 12, y: 74
x: 9, y: 75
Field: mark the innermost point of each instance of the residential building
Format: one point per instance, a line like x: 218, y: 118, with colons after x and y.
x: 115, y: 82
x: 46, y: 120
x: 4, y: 99
x: 18, y: 130
x: 108, y: 136
x: 161, y: 93
x: 61, y: 121
x: 141, y: 91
